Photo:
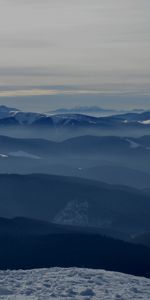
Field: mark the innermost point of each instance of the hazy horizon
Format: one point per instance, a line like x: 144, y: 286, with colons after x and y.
x: 48, y: 103
x: 98, y: 50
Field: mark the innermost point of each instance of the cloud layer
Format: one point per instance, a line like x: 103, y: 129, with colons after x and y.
x: 82, y: 42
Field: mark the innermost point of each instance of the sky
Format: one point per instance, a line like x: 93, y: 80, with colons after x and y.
x: 74, y: 48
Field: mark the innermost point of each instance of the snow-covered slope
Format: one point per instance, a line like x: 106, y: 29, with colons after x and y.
x: 6, y: 112
x: 75, y: 213
x: 21, y: 153
x: 73, y: 283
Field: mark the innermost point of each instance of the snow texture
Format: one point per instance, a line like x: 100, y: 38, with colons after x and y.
x: 71, y: 284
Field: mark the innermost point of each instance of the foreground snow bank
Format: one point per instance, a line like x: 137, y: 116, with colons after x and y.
x: 73, y: 283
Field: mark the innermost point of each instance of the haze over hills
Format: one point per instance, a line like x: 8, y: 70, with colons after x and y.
x: 87, y: 145
x: 75, y: 156
x: 117, y: 175
x: 86, y: 187
x: 111, y: 159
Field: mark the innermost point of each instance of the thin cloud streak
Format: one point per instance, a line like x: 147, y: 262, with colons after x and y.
x: 55, y: 92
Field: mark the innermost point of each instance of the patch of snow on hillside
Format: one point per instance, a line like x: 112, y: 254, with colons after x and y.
x: 71, y: 284
x: 26, y: 117
x: 24, y: 154
x: 3, y: 155
x: 145, y: 122
x: 133, y: 145
x: 74, y: 213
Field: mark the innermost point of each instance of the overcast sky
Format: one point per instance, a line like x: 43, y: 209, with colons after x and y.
x: 96, y: 45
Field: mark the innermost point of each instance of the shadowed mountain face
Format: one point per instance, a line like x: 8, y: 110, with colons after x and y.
x: 80, y: 250
x: 19, y: 227
x: 36, y: 243
x: 77, y: 202
x: 142, y: 239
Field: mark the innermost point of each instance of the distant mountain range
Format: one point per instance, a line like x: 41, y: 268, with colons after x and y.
x: 83, y: 109
x: 93, y: 110
x: 10, y: 116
